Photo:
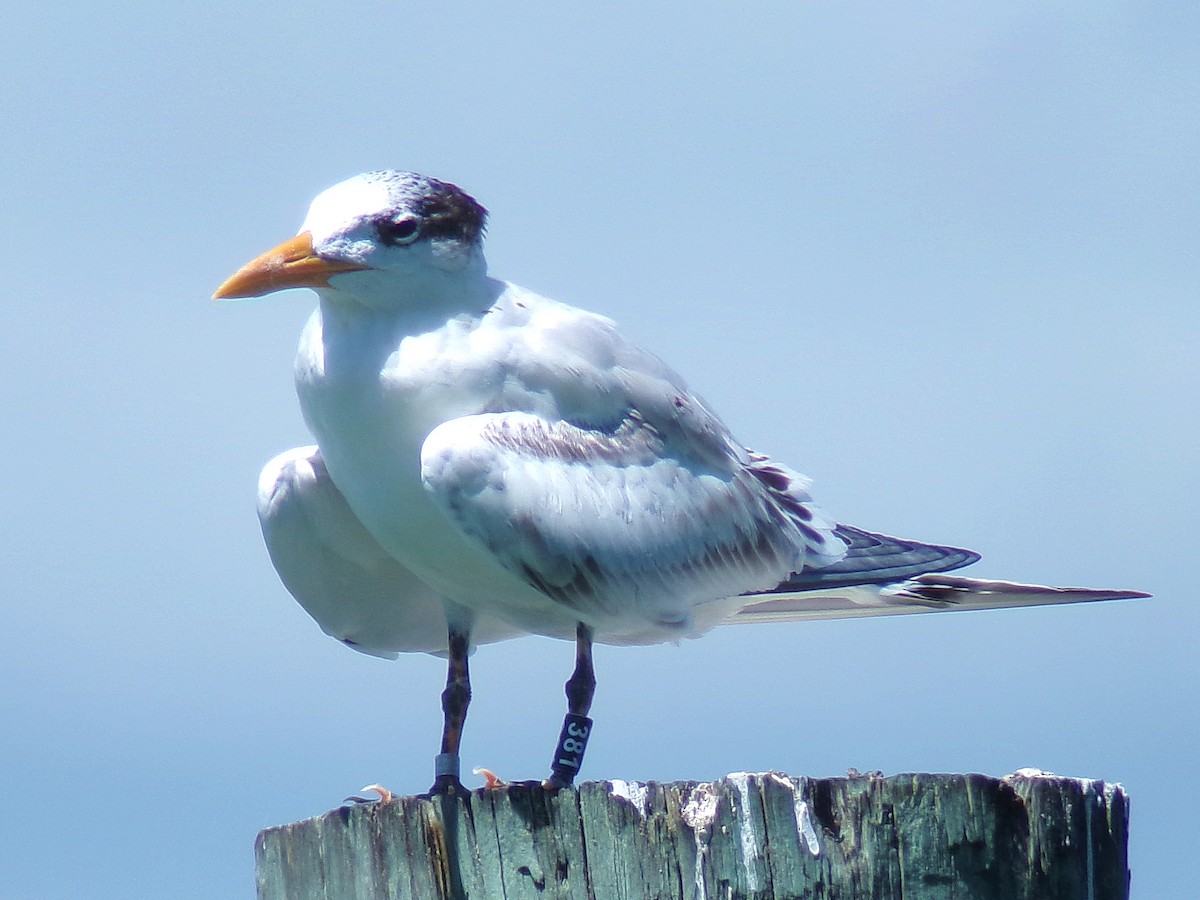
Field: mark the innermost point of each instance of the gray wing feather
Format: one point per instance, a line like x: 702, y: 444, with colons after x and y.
x: 934, y: 592
x: 878, y: 559
x: 623, y: 522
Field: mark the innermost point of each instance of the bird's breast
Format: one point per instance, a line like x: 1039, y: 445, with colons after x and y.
x: 371, y: 399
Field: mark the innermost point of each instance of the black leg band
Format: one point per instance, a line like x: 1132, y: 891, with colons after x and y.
x: 568, y: 753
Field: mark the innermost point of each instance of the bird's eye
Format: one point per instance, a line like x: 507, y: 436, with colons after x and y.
x: 394, y: 232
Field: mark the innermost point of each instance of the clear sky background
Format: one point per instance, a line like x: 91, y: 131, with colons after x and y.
x: 940, y: 256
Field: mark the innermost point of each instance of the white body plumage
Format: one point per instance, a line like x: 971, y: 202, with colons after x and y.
x: 517, y: 462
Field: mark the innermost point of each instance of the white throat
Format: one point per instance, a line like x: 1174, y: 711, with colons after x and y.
x: 418, y: 300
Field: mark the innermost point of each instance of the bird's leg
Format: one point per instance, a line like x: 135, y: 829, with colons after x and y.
x: 455, y: 700
x: 572, y: 741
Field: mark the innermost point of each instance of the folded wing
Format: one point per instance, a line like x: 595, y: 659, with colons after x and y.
x: 622, y: 521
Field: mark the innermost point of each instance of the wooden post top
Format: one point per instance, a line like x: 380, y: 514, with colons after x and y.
x: 764, y: 835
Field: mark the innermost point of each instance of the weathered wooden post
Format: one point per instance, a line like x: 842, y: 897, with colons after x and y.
x: 1029, y: 836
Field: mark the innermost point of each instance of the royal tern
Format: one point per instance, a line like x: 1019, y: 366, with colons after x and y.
x: 493, y: 463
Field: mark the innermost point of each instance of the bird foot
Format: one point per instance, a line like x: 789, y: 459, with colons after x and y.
x: 445, y: 786
x: 555, y: 783
x: 385, y: 796
x: 492, y: 781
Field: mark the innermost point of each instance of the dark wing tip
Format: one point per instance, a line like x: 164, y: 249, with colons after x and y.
x: 879, y: 559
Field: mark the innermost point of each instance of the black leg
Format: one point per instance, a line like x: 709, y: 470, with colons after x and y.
x: 455, y: 700
x: 581, y: 686
x: 577, y: 727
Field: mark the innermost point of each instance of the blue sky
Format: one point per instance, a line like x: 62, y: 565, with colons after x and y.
x: 942, y: 259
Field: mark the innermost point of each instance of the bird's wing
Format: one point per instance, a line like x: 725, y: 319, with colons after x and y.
x: 339, y: 574
x: 877, y: 559
x: 631, y: 521
x: 934, y: 592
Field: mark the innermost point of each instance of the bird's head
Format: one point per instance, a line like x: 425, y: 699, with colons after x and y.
x: 372, y: 235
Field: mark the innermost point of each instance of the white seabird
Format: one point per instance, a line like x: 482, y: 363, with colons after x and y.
x: 493, y: 463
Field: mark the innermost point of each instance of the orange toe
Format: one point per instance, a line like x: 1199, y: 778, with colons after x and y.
x: 491, y: 780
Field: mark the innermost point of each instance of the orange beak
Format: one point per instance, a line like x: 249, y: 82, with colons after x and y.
x: 293, y: 264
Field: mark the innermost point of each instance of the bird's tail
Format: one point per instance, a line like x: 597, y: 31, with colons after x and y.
x: 932, y: 592
x: 886, y: 576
